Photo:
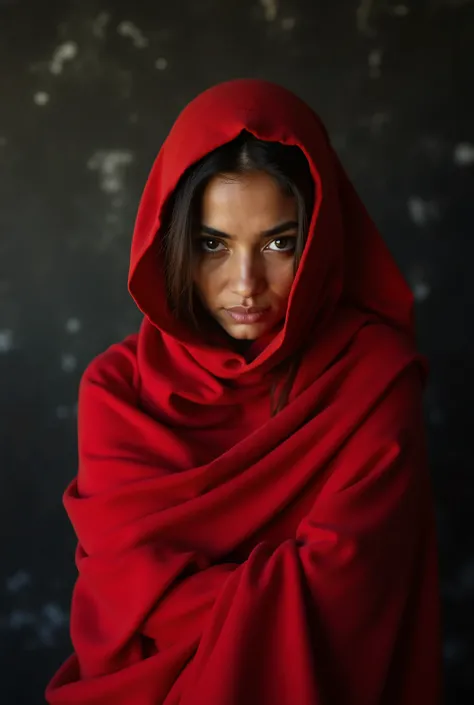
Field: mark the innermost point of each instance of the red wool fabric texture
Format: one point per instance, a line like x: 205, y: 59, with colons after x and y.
x: 230, y: 557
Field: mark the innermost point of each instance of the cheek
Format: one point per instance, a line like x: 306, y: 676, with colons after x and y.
x: 207, y: 278
x: 280, y: 277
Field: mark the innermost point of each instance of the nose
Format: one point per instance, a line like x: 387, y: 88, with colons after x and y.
x: 248, y: 275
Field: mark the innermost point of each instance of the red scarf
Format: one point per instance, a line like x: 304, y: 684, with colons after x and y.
x: 227, y: 557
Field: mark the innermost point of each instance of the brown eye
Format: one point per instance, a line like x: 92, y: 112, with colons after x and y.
x: 282, y: 244
x: 210, y: 245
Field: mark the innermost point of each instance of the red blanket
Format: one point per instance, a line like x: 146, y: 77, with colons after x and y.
x: 227, y: 557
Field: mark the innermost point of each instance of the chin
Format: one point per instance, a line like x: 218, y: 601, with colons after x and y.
x: 248, y: 332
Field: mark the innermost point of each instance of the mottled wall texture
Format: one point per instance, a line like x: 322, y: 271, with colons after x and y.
x: 88, y: 91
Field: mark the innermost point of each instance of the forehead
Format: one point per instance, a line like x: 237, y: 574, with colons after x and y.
x: 251, y: 201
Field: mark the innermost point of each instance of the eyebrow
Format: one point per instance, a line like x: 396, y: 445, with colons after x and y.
x: 277, y: 230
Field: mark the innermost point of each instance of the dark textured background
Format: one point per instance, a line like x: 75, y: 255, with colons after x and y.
x: 88, y: 91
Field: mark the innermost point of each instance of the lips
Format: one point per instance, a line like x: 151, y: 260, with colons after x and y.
x: 253, y: 314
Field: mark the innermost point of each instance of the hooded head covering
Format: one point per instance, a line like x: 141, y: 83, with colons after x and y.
x: 345, y: 261
x: 228, y: 557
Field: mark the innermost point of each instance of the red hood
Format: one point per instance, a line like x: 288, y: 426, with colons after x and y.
x: 345, y: 260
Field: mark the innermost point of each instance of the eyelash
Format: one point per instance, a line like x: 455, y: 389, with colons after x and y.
x: 290, y: 239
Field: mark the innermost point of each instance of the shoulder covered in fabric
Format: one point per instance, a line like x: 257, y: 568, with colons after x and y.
x: 379, y: 354
x: 399, y: 408
x: 389, y: 445
x: 106, y: 408
x: 114, y: 368
x: 378, y: 343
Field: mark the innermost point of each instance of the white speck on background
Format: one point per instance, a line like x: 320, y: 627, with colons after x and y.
x: 19, y: 580
x: 270, y: 8
x: 288, y: 23
x: 100, y: 24
x: 41, y: 98
x: 52, y: 618
x: 45, y: 625
x: 464, y: 154
x: 68, y: 363
x: 54, y: 614
x: 21, y: 618
x: 64, y: 52
x: 375, y: 61
x: 73, y: 325
x: 111, y: 167
x: 128, y: 29
x: 161, y: 64
x: 421, y: 211
x: 363, y: 15
x: 6, y: 341
x: 421, y: 290
x: 62, y: 412
x: 419, y: 283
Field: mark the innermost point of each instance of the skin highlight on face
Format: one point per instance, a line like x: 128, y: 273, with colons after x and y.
x: 245, y: 252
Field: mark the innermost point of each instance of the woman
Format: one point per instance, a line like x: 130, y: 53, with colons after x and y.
x: 253, y: 505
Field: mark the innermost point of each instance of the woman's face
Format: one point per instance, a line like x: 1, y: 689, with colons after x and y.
x: 245, y: 252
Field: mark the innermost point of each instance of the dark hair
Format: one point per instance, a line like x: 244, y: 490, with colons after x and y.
x: 288, y: 166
